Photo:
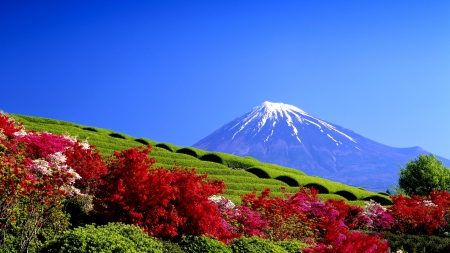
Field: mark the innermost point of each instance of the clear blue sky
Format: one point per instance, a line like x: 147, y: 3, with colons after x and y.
x: 175, y: 71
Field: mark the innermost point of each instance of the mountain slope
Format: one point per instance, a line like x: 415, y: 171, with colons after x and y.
x: 288, y: 136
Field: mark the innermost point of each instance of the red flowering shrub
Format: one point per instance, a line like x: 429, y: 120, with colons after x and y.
x: 35, y: 182
x: 89, y: 164
x: 283, y: 219
x: 8, y: 127
x: 302, y: 216
x: 43, y: 144
x: 416, y: 215
x: 166, y: 203
x: 352, y: 242
x: 243, y: 221
x: 378, y: 217
x: 442, y: 199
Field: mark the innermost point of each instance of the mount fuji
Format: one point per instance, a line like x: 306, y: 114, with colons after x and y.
x: 286, y: 135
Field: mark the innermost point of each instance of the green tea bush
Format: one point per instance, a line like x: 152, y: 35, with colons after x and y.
x: 255, y: 245
x: 288, y: 180
x: 233, y: 161
x: 117, y: 135
x: 142, y: 141
x: 212, y: 158
x: 171, y: 247
x: 166, y: 146
x: 90, y: 129
x: 114, y: 237
x: 258, y: 172
x: 384, y: 194
x: 188, y: 151
x: 324, y: 197
x: 418, y: 243
x: 292, y: 246
x: 194, y: 244
x: 347, y: 195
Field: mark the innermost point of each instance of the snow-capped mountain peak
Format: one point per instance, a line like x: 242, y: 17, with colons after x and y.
x: 279, y: 113
x: 286, y: 135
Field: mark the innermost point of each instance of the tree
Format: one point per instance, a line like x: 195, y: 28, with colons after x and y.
x: 422, y: 175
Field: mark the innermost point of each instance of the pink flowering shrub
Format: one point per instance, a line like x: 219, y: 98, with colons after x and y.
x: 35, y: 178
x: 378, y: 217
x: 303, y: 216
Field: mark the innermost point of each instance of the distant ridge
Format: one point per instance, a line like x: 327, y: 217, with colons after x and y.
x: 286, y: 135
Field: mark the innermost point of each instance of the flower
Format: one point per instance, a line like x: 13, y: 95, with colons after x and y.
x: 85, y: 144
x: 222, y: 202
x: 41, y: 167
x: 57, y: 158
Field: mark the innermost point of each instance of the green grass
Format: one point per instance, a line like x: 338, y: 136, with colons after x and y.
x: 241, y: 175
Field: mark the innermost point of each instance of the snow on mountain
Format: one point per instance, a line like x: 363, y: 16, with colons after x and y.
x: 286, y: 135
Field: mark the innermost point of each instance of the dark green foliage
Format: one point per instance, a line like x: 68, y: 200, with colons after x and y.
x: 171, y: 247
x: 346, y: 194
x: 258, y: 172
x: 418, y: 243
x: 212, y: 158
x: 188, y: 151
x: 292, y: 246
x: 255, y: 245
x: 117, y: 135
x: 422, y: 175
x: 194, y: 244
x: 318, y: 187
x: 384, y: 193
x: 233, y: 161
x: 140, y: 140
x: 288, y: 180
x: 165, y: 146
x: 114, y: 237
x: 90, y: 129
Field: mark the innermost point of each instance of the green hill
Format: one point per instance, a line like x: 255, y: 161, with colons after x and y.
x: 240, y: 174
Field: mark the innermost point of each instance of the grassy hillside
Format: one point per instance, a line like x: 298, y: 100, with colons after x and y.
x: 240, y: 174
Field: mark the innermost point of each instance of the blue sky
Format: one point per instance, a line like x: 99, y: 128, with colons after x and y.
x: 175, y: 71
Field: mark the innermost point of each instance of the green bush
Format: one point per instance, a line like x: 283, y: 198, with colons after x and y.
x: 255, y: 245
x: 171, y: 247
x: 114, y: 237
x: 418, y: 243
x: 167, y: 146
x: 292, y: 246
x: 188, y: 151
x: 210, y: 157
x: 142, y: 141
x: 258, y: 172
x: 90, y: 129
x: 288, y: 180
x: 203, y: 244
x: 117, y: 135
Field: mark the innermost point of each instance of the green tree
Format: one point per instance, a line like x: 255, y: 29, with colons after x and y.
x: 422, y: 175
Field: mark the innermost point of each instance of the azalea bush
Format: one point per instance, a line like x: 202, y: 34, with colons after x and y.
x: 35, y: 183
x: 326, y: 226
x: 421, y: 215
x: 166, y: 203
